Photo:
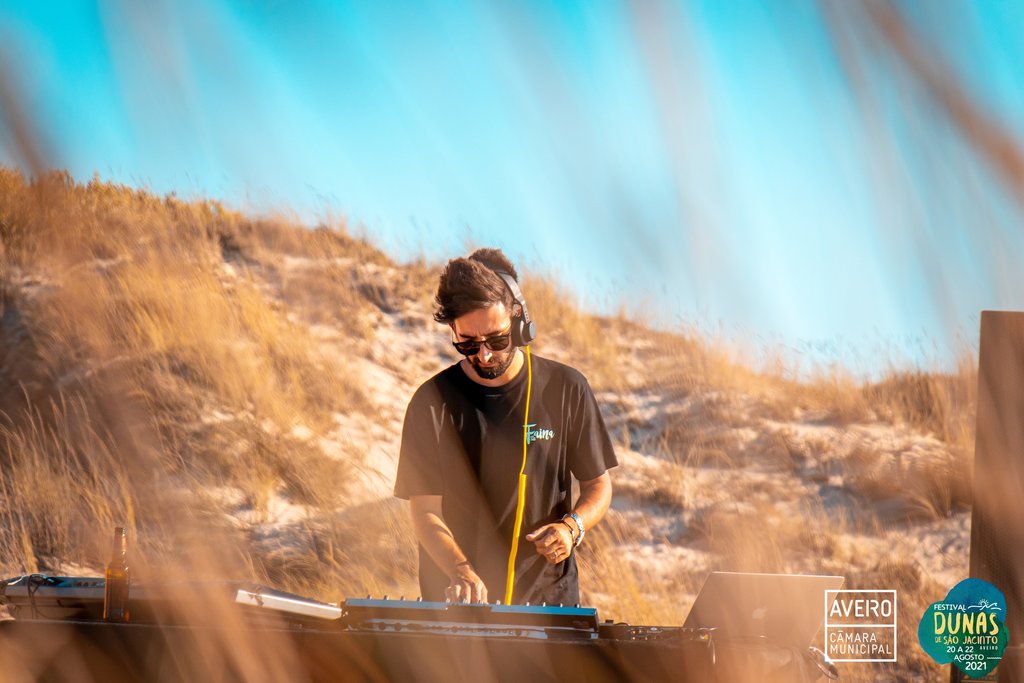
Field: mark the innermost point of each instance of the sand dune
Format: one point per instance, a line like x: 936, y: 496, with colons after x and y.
x: 232, y: 390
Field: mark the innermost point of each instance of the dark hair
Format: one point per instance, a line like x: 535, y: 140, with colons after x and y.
x: 470, y: 283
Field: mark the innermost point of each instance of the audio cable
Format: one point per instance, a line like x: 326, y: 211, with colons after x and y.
x: 521, y: 495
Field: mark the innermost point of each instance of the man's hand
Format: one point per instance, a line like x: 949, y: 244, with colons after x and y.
x: 432, y: 532
x: 553, y: 541
x: 466, y: 586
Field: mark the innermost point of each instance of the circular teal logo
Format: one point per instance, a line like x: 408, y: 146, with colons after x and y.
x: 967, y: 629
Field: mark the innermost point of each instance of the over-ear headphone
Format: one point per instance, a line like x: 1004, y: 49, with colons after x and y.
x: 524, y: 330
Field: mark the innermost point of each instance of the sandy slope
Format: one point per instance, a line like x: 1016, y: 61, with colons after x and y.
x: 855, y: 480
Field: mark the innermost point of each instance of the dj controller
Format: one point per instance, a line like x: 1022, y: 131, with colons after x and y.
x: 284, y: 636
x: 62, y: 597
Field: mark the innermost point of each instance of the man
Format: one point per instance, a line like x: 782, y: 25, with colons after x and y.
x: 462, y: 451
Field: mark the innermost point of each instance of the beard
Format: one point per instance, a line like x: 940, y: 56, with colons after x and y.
x: 495, y: 371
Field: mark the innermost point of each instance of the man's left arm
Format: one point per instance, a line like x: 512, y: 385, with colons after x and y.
x: 555, y: 541
x: 595, y: 497
x: 589, y: 452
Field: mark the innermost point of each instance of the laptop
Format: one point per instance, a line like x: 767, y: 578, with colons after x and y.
x: 784, y: 609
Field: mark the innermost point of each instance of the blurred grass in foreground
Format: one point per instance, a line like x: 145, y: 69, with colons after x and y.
x: 160, y: 356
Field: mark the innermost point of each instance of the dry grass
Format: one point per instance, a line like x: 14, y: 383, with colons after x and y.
x: 161, y: 369
x: 566, y: 330
x: 625, y: 589
x: 48, y: 462
x: 761, y: 539
x: 362, y: 550
x: 127, y: 318
x: 940, y: 404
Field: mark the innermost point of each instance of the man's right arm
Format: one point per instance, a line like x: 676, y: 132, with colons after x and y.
x: 434, y: 535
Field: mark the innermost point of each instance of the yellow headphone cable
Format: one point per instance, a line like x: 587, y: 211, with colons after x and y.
x: 521, y: 501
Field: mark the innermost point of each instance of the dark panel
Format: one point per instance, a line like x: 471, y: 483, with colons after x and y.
x: 997, y: 523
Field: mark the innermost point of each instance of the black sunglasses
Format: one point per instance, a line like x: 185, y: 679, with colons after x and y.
x: 498, y: 342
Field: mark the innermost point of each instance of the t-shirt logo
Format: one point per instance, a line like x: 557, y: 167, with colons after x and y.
x: 535, y: 434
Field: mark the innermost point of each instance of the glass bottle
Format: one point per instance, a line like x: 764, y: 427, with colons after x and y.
x: 116, y: 579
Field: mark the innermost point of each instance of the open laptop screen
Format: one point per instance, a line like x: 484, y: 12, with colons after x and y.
x: 785, y: 609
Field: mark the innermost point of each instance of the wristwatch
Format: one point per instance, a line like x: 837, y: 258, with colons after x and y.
x: 579, y: 525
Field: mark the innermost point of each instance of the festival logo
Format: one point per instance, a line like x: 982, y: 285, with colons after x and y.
x: 968, y: 628
x: 860, y: 625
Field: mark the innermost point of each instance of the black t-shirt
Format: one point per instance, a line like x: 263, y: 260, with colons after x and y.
x: 464, y: 442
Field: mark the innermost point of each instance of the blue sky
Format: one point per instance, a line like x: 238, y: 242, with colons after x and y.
x: 726, y: 164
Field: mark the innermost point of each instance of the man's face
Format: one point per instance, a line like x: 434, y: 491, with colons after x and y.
x: 479, y: 325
